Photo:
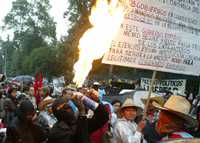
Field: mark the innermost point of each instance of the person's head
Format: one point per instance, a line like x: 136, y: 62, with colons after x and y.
x: 31, y: 91
x: 12, y: 92
x: 26, y: 112
x: 151, y: 108
x: 174, y: 115
x: 169, y: 122
x: 63, y: 111
x: 116, y: 105
x: 154, y: 98
x: 129, y: 113
x: 67, y: 93
x: 2, y: 77
x: 26, y: 89
x: 129, y: 110
x: 96, y: 85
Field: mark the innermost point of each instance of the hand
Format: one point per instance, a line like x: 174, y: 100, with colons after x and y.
x: 93, y: 94
x: 80, y: 106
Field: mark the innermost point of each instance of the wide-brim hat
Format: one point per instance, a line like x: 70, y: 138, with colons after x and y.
x: 154, y: 97
x: 179, y: 106
x: 130, y: 103
x: 48, y: 100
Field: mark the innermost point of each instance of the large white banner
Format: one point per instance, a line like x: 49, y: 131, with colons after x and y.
x: 162, y: 35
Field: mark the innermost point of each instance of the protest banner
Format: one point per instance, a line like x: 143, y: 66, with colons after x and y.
x: 160, y: 35
x: 168, y: 84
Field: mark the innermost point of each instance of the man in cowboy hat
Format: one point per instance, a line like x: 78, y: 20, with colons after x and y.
x: 126, y: 130
x: 173, y: 121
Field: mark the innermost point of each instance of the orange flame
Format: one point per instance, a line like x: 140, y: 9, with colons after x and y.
x: 106, y: 18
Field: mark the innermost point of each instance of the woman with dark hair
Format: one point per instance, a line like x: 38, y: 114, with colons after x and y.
x: 117, y: 105
x: 23, y: 128
x: 10, y: 105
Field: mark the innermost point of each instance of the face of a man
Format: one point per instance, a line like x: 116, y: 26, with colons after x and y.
x: 168, y: 122
x: 129, y: 113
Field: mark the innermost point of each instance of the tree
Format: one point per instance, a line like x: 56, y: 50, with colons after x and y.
x: 31, y: 22
x: 78, y: 13
x: 33, y: 28
x: 42, y: 59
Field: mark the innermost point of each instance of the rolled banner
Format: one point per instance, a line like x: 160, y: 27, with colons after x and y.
x: 89, y: 103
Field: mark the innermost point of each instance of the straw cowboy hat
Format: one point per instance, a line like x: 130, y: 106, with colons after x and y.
x: 154, y: 97
x: 130, y: 103
x: 179, y: 106
x: 48, y: 100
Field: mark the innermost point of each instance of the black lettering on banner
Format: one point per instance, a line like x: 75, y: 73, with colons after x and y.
x: 131, y: 34
x: 188, y: 62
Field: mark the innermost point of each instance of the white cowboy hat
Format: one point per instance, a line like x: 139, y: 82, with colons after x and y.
x: 154, y: 97
x: 96, y: 83
x: 179, y: 106
x: 130, y: 103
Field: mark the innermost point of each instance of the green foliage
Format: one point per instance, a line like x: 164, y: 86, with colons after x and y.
x: 34, y: 38
x: 34, y: 47
x: 41, y: 59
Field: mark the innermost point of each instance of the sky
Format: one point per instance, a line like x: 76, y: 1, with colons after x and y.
x: 57, y: 10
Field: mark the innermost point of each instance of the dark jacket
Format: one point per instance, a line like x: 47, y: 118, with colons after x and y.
x: 23, y: 129
x: 81, y: 130
x: 19, y: 132
x: 2, y: 111
x: 150, y: 133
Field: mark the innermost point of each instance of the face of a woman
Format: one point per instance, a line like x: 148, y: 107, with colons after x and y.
x: 31, y: 91
x: 129, y: 113
x: 116, y: 106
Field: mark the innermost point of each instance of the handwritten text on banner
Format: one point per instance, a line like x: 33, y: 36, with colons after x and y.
x: 152, y: 38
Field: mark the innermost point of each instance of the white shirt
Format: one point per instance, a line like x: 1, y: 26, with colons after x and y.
x: 125, y: 132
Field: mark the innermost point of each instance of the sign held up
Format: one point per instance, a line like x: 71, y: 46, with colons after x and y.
x: 159, y: 35
x: 168, y: 84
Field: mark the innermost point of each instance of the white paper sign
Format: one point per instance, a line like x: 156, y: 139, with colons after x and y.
x: 161, y: 35
x: 170, y: 84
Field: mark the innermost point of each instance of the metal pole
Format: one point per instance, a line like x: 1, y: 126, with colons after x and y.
x: 149, y: 94
x: 110, y: 71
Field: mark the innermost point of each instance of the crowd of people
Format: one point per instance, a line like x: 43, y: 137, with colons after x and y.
x: 80, y: 115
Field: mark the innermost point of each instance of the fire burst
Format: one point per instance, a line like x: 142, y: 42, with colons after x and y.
x: 106, y: 18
